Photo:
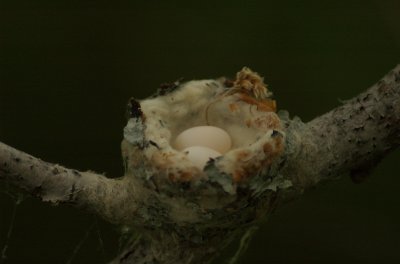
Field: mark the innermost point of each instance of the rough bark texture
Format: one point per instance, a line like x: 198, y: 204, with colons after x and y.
x: 53, y: 183
x: 351, y: 138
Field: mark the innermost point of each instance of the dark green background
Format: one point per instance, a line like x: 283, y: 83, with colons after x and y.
x: 67, y: 69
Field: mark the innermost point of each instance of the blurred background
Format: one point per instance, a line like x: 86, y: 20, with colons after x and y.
x: 67, y: 69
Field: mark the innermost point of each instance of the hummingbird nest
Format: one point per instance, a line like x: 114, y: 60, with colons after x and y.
x: 176, y: 191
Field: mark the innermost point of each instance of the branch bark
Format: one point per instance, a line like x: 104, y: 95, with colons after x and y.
x: 59, y: 185
x: 351, y: 138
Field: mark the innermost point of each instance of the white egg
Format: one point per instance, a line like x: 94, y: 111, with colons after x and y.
x: 200, y: 155
x: 206, y: 136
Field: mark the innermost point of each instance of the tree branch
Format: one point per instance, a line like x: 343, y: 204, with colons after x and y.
x: 351, y: 138
x: 189, y: 222
x: 56, y: 184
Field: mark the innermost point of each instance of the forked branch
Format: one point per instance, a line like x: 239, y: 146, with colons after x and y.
x: 190, y: 223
